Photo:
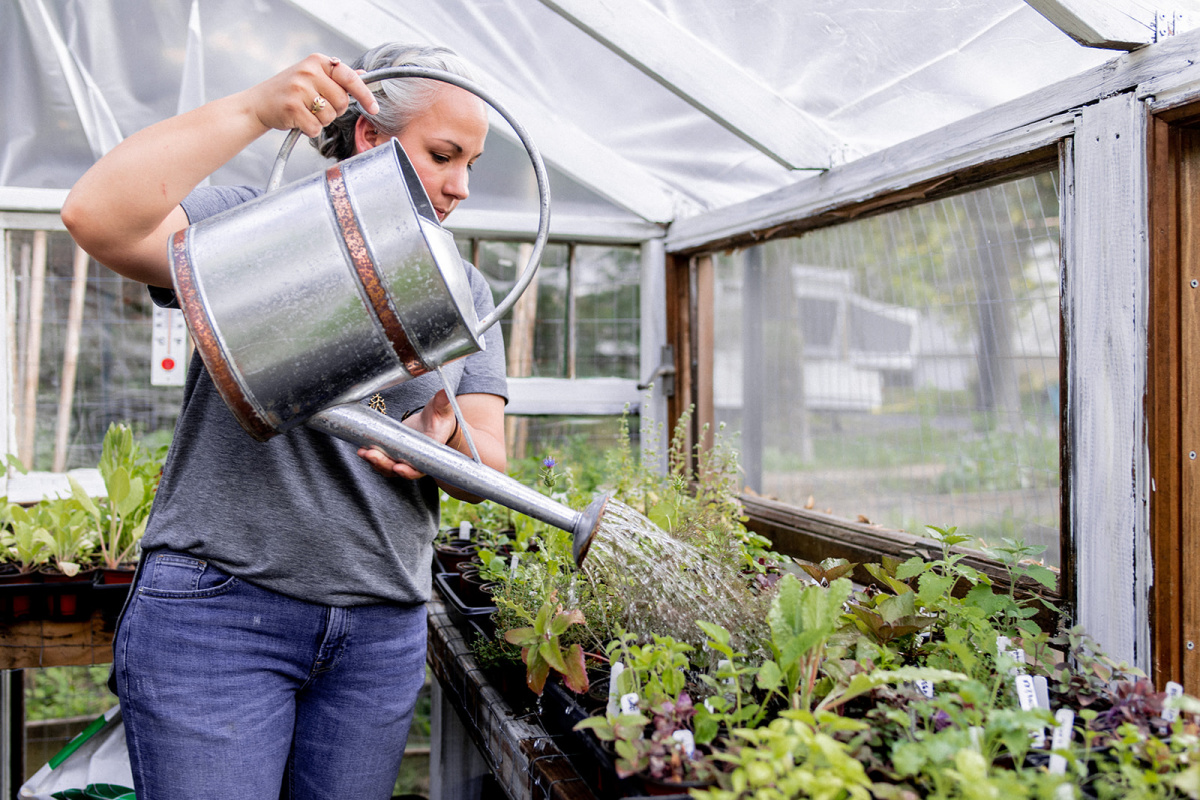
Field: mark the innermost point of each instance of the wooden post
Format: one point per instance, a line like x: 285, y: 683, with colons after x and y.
x: 678, y: 292
x: 1173, y: 423
x: 520, y: 352
x: 31, y: 357
x: 754, y: 366
x: 66, y: 395
x: 705, y: 345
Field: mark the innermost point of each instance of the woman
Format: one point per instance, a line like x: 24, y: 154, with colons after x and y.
x: 274, y: 642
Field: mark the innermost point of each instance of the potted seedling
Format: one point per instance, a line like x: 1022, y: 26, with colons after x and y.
x: 27, y: 551
x: 130, y: 476
x: 69, y: 571
x: 542, y: 650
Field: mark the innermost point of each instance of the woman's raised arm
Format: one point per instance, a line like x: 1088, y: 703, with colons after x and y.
x: 124, y: 210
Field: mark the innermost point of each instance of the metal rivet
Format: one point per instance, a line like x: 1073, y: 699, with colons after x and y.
x: 1191, y: 645
x: 1195, y: 283
x: 1192, y: 455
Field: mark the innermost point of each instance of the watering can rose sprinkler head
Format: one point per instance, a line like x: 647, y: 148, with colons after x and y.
x: 585, y: 530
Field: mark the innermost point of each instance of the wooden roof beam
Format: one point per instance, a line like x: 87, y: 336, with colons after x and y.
x: 705, y: 78
x: 1099, y: 25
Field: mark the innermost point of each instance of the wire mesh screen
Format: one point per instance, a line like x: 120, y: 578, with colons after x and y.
x: 904, y: 369
x: 112, y: 339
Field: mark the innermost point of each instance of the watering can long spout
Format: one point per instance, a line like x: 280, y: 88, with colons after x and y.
x: 361, y: 425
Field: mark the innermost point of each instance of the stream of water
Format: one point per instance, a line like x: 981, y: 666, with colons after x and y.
x: 665, y: 584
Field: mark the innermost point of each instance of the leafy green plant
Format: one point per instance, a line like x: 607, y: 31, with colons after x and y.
x: 69, y: 539
x: 63, y: 692
x: 664, y: 755
x: 621, y: 732
x: 802, y: 620
x: 542, y: 651
x: 130, y: 474
x: 655, y: 670
x: 790, y: 757
x: 26, y: 541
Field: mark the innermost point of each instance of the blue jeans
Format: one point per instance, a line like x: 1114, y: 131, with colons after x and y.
x: 230, y: 690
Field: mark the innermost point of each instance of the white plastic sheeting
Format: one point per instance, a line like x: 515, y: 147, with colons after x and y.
x: 78, y: 74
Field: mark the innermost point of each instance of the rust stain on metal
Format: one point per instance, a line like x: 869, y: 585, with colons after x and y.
x: 368, y: 275
x: 205, y: 336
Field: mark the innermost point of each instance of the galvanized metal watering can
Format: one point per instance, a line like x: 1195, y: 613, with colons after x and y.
x: 318, y: 294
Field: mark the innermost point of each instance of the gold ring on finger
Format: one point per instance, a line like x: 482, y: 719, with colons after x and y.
x: 318, y: 105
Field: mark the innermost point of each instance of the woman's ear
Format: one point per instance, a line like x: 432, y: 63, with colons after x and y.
x: 366, y: 135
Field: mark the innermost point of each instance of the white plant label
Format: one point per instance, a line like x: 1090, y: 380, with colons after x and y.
x: 686, y: 741
x: 1026, y: 694
x: 1017, y: 654
x: 614, y: 689
x: 1042, y: 691
x: 1171, y: 711
x: 925, y: 688
x: 723, y: 665
x: 629, y: 703
x: 464, y: 530
x: 1060, y: 739
x: 1027, y: 697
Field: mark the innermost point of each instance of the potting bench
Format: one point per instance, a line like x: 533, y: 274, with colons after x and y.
x: 46, y: 643
x: 477, y: 732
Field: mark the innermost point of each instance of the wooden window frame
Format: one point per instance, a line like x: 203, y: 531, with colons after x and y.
x: 1173, y: 425
x: 794, y: 531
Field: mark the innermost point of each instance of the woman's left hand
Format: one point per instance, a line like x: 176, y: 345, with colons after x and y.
x: 483, y: 415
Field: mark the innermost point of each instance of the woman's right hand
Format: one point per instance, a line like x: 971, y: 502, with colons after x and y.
x: 125, y: 209
x: 290, y: 99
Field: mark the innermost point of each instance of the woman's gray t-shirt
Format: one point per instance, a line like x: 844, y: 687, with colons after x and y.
x: 301, y: 513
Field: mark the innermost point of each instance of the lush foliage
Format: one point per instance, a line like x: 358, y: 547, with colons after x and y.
x: 65, y: 692
x: 925, y: 678
x: 77, y: 532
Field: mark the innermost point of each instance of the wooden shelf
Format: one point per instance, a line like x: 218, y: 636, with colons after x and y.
x: 523, y: 758
x: 28, y: 645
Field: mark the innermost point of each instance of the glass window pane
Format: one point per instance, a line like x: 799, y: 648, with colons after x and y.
x: 904, y: 369
x: 534, y: 334
x: 605, y: 283
x: 608, y: 311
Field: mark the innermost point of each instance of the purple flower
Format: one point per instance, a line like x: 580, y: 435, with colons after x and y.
x: 549, y: 463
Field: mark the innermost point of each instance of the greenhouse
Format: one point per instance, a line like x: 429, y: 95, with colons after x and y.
x: 846, y: 448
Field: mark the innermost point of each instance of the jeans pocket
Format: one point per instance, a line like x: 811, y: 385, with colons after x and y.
x: 170, y: 574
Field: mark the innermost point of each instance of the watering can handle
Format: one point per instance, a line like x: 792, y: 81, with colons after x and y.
x: 539, y: 170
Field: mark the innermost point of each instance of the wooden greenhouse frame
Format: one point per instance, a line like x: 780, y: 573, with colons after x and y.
x: 1123, y: 139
